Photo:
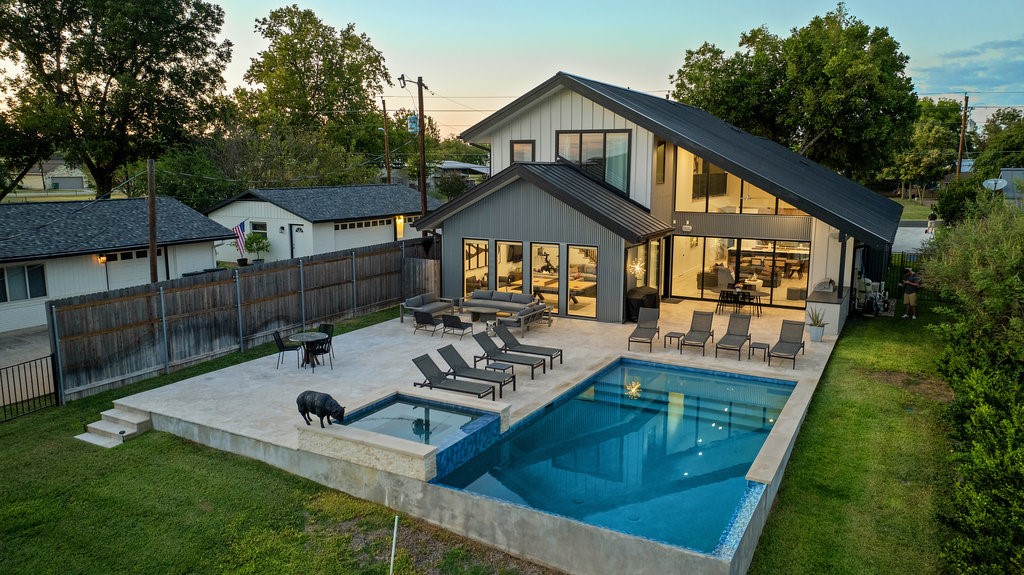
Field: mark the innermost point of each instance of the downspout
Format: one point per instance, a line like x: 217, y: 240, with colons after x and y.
x: 842, y: 263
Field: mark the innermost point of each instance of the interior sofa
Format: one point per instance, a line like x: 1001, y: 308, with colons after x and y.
x: 428, y: 302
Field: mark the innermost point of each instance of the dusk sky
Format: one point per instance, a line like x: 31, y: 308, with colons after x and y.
x: 476, y: 57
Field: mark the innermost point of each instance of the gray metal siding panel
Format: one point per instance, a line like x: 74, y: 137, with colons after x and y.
x: 522, y: 212
x: 790, y: 228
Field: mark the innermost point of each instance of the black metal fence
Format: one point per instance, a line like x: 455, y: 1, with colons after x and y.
x: 899, y: 261
x: 26, y: 387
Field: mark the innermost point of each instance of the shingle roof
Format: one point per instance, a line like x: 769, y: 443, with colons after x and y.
x: 339, y: 203
x: 36, y: 230
x: 615, y: 212
x: 822, y: 193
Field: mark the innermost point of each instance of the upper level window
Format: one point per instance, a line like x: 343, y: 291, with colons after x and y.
x: 22, y: 282
x: 523, y: 151
x: 603, y: 155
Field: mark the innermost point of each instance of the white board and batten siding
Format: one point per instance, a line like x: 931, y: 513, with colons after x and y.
x: 566, y: 110
x: 64, y: 277
x: 275, y: 217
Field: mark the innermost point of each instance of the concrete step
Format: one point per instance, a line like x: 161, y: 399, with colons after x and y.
x: 113, y: 430
x: 128, y: 419
x: 99, y: 440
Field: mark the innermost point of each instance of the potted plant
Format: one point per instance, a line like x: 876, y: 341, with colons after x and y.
x: 816, y: 323
x: 256, y: 244
x: 242, y: 261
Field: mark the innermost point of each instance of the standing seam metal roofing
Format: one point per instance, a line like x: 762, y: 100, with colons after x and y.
x: 818, y: 191
x: 35, y: 230
x: 608, y: 208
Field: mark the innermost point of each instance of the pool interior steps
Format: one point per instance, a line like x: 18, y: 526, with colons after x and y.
x: 117, y: 426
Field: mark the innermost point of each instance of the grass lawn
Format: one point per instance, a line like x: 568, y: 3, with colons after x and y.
x: 914, y: 210
x: 859, y: 495
x: 869, y: 468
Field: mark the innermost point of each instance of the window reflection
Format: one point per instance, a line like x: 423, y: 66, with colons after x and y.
x: 509, y: 266
x: 475, y: 261
x: 544, y: 274
x: 582, y: 285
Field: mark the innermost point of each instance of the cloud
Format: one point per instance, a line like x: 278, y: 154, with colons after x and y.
x: 990, y: 66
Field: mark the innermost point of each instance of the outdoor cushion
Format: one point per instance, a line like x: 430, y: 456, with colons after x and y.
x: 502, y: 296
x: 414, y: 301
x: 429, y: 297
x: 523, y: 298
x: 482, y: 294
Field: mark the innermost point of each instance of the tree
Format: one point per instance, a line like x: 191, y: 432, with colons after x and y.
x: 957, y: 199
x: 933, y: 147
x: 450, y: 185
x: 835, y: 91
x: 452, y: 148
x: 24, y: 142
x: 1003, y: 146
x: 118, y: 81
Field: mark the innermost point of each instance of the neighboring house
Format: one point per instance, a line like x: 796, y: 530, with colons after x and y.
x: 58, y: 249
x: 1014, y: 185
x: 597, y: 189
x: 306, y: 221
x: 53, y: 174
x: 472, y: 174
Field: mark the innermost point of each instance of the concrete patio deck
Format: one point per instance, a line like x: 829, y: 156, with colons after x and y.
x: 250, y: 408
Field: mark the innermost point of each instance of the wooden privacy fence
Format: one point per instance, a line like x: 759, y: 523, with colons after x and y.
x: 107, y: 339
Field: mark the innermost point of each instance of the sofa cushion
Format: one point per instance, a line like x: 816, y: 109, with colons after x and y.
x: 523, y: 298
x: 429, y: 297
x: 501, y: 296
x: 414, y: 301
x: 482, y: 294
x: 435, y: 307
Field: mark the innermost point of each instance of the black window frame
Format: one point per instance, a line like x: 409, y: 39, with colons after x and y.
x: 604, y: 152
x: 512, y: 150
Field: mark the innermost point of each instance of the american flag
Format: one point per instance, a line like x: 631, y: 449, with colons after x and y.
x: 240, y: 236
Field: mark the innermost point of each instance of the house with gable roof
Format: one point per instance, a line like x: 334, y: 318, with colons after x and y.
x: 60, y: 249
x: 306, y: 221
x: 597, y: 189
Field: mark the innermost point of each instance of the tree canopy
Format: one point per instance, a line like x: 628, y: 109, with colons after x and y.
x: 1003, y: 146
x: 115, y: 81
x: 835, y: 90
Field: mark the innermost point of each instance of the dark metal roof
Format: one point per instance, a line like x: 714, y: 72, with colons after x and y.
x: 339, y: 203
x: 822, y: 193
x: 625, y: 218
x: 36, y: 230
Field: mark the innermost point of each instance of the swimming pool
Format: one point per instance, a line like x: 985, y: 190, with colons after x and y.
x: 649, y: 450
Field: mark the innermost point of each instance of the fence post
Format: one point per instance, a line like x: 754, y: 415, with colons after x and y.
x: 56, y: 355
x: 302, y: 293
x: 238, y: 307
x: 354, y: 301
x: 401, y: 278
x: 163, y: 324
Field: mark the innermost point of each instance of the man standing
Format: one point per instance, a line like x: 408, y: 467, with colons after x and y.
x: 931, y: 222
x: 911, y: 285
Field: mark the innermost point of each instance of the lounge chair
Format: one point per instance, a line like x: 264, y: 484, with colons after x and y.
x: 512, y: 344
x: 700, y: 332
x: 437, y: 379
x: 791, y: 340
x: 646, y: 328
x: 494, y: 353
x: 737, y: 334
x: 283, y: 348
x: 452, y: 323
x: 459, y: 368
x: 425, y: 321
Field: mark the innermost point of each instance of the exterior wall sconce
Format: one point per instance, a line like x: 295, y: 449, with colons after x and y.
x: 635, y: 267
x: 280, y: 230
x: 102, y: 258
x: 686, y: 227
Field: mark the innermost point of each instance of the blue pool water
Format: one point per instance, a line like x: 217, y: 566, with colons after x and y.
x: 645, y: 449
x: 416, y: 420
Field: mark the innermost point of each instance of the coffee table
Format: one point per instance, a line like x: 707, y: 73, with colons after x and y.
x: 481, y: 313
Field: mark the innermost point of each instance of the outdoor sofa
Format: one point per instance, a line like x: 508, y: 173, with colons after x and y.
x: 428, y: 303
x: 506, y: 301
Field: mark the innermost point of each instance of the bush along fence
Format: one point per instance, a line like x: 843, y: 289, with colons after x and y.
x: 26, y: 387
x: 105, y: 340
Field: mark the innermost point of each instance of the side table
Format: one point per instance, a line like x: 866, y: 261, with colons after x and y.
x: 676, y: 335
x: 498, y: 366
x: 758, y: 345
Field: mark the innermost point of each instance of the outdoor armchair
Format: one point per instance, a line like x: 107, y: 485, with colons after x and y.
x: 791, y: 340
x: 736, y: 335
x: 283, y: 348
x: 494, y: 353
x: 700, y: 332
x: 459, y: 368
x: 511, y: 343
x: 328, y: 330
x: 453, y: 324
x: 425, y: 321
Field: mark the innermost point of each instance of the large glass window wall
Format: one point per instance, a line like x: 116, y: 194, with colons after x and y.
x: 603, y: 155
x: 775, y: 270
x: 474, y: 265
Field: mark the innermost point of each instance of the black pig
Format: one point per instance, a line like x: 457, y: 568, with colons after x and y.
x: 321, y: 405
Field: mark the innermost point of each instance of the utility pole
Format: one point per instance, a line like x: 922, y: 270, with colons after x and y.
x: 423, y: 154
x: 151, y: 168
x: 387, y: 142
x: 963, y: 139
